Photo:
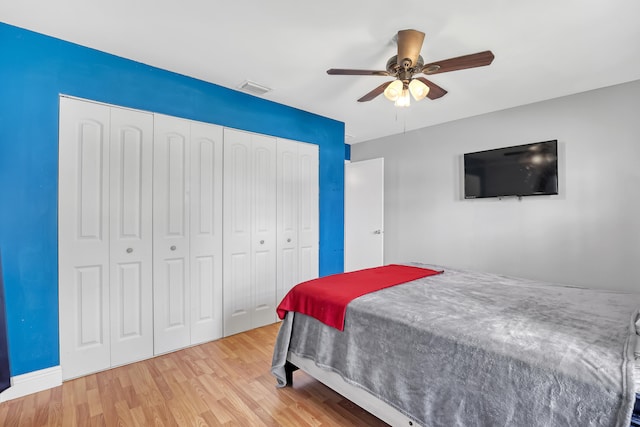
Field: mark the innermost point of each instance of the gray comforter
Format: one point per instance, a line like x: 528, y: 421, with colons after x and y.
x: 475, y: 349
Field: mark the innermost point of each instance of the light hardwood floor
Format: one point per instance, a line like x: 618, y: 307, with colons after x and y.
x: 224, y: 382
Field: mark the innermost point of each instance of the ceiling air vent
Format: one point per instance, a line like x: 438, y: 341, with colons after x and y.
x: 253, y: 88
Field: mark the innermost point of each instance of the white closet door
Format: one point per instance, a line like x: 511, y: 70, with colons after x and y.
x: 249, y: 231
x: 131, y: 236
x: 237, y: 269
x: 264, y: 230
x: 298, y: 215
x: 83, y: 237
x: 171, y: 293
x: 288, y: 217
x: 206, y: 232
x: 308, y: 212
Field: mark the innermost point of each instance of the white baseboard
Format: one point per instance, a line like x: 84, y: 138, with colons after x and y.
x: 32, y: 382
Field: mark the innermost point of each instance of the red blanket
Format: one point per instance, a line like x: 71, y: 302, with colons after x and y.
x: 326, y: 298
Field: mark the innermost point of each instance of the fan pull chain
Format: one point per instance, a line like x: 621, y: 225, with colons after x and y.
x: 404, y: 121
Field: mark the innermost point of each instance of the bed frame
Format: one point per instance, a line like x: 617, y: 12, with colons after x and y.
x: 357, y: 395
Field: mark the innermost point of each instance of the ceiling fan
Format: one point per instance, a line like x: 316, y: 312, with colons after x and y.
x: 407, y: 64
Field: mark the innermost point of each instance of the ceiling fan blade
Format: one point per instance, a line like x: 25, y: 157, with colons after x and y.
x: 479, y: 59
x: 435, y: 91
x: 377, y: 91
x: 409, y: 45
x: 347, y: 72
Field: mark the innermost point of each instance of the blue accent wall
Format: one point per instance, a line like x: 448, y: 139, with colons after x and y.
x: 34, y: 70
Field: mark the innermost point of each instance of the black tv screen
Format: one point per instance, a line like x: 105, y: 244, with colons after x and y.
x: 522, y: 170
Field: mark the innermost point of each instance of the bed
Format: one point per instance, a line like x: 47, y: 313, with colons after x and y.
x: 464, y: 348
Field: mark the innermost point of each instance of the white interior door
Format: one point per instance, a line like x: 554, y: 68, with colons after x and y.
x: 364, y: 214
x: 206, y: 232
x: 171, y: 292
x: 131, y: 250
x: 83, y: 237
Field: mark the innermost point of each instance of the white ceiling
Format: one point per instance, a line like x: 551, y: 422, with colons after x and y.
x: 543, y: 49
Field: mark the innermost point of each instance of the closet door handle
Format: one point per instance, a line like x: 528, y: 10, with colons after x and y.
x: 129, y: 250
x: 289, y: 240
x: 262, y: 242
x: 173, y: 248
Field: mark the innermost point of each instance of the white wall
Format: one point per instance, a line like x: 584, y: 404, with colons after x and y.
x: 588, y: 235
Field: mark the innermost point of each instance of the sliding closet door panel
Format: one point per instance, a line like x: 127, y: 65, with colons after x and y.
x: 171, y: 292
x: 309, y: 212
x: 206, y: 232
x: 264, y: 230
x: 131, y: 236
x: 83, y: 237
x: 287, y: 231
x: 237, y: 272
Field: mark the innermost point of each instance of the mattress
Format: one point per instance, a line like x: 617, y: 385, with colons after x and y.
x: 466, y: 348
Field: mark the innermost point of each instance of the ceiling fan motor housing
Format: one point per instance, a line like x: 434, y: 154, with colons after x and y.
x: 407, y: 70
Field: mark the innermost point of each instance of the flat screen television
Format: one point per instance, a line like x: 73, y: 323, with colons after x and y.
x: 521, y: 170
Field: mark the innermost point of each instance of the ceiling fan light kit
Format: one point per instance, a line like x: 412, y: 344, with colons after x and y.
x: 394, y: 90
x: 407, y: 64
x: 398, y: 91
x: 404, y: 100
x: 418, y: 90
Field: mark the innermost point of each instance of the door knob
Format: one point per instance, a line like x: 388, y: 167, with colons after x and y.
x: 288, y: 240
x: 173, y: 248
x: 129, y: 250
x: 377, y: 232
x: 262, y: 242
